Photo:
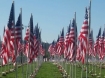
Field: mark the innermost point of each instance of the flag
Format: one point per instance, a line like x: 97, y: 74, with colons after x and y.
x: 66, y: 42
x: 18, y: 28
x: 18, y: 34
x: 101, y: 46
x: 96, y: 45
x: 61, y: 43
x: 51, y: 49
x: 31, y: 45
x: 72, y: 41
x: 27, y: 34
x: 42, y: 50
x: 36, y: 41
x: 104, y: 43
x: 83, y: 37
x: 91, y: 44
x: 7, y: 46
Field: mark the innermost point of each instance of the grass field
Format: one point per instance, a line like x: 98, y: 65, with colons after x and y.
x: 48, y: 70
x: 91, y: 71
x: 21, y: 71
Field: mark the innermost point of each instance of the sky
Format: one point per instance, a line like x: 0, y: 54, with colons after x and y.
x: 53, y: 15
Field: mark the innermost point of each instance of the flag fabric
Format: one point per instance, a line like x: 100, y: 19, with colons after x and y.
x: 31, y: 42
x: 27, y: 34
x: 7, y: 46
x: 42, y: 50
x: 101, y: 46
x: 91, y: 44
x: 72, y: 41
x: 104, y: 43
x: 57, y: 46
x: 66, y: 43
x: 51, y: 49
x: 61, y: 43
x: 36, y: 41
x: 96, y: 45
x: 83, y: 37
x: 20, y: 47
x: 18, y: 28
x: 18, y: 34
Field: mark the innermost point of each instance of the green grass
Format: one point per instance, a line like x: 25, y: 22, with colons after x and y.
x: 79, y: 69
x: 48, y: 70
x: 20, y: 74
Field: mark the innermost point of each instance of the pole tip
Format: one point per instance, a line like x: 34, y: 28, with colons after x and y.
x: 13, y: 1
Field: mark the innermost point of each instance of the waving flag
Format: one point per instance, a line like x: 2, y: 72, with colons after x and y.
x: 31, y: 40
x: 61, y: 43
x: 7, y: 47
x: 96, y: 45
x: 91, y: 44
x: 72, y: 41
x: 51, y: 48
x: 66, y: 43
x: 83, y: 37
x: 101, y: 45
x: 27, y: 34
x: 18, y: 28
x: 36, y: 41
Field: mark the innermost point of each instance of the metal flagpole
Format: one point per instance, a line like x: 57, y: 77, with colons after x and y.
x: 89, y: 25
x: 0, y: 61
x: 21, y: 40
x: 15, y: 44
x: 1, y: 67
x: 75, y: 42
x: 28, y: 56
x: 82, y: 72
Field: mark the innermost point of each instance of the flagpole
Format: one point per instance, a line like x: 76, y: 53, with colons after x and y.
x: 75, y: 42
x: 28, y: 56
x: 15, y: 44
x: 21, y: 40
x: 1, y: 67
x: 0, y: 60
x: 89, y: 25
x: 69, y: 61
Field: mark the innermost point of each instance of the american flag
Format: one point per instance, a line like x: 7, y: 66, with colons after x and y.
x: 96, y: 45
x: 42, y: 50
x: 36, y: 41
x: 27, y: 34
x: 7, y: 47
x: 66, y: 42
x: 72, y: 41
x: 18, y: 28
x: 57, y: 46
x: 26, y: 45
x: 101, y: 46
x: 104, y: 43
x: 91, y: 43
x: 61, y: 43
x: 51, y: 48
x: 56, y: 49
x: 83, y: 37
x: 31, y: 40
x: 20, y: 47
x: 18, y: 34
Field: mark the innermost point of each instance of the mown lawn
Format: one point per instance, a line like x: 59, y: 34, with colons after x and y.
x: 71, y: 71
x: 21, y: 71
x: 48, y: 70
